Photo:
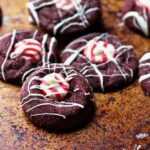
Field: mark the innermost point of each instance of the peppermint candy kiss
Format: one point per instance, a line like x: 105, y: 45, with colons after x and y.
x: 99, y: 51
x: 54, y: 86
x: 66, y: 4
x: 27, y: 49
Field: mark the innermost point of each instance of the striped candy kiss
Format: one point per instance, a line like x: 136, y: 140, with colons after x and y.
x: 54, y: 86
x: 99, y: 51
x: 27, y: 49
x: 67, y: 4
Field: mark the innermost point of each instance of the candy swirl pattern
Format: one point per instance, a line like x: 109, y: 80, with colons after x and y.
x: 24, y: 53
x: 114, y: 65
x: 27, y: 49
x: 54, y: 86
x: 54, y: 96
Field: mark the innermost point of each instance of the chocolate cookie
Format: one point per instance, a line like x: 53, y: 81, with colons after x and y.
x: 64, y: 16
x: 56, y: 97
x: 1, y: 16
x: 103, y: 59
x: 24, y: 51
x: 144, y: 73
x: 137, y: 15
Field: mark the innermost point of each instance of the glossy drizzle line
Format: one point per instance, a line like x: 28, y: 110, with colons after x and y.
x: 64, y: 24
x: 32, y: 97
x: 8, y: 53
x: 44, y: 60
x: 144, y: 64
x: 86, y: 67
x: 141, y: 22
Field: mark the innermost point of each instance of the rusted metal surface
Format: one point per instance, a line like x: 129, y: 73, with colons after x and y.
x: 121, y: 120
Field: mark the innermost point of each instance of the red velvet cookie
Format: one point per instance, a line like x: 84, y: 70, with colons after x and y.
x: 56, y: 97
x: 24, y: 51
x: 137, y: 15
x: 106, y: 61
x: 64, y: 16
x: 144, y: 73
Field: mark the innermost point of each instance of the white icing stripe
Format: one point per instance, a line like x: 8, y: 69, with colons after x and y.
x: 81, y: 13
x: 39, y: 105
x: 104, y: 75
x: 45, y: 37
x: 56, y: 104
x: 100, y: 75
x: 48, y: 114
x: 6, y: 35
x: 3, y: 37
x: 142, y: 22
x: 73, y: 56
x: 71, y: 25
x: 76, y: 53
x: 87, y: 67
x: 53, y: 41
x: 44, y: 62
x: 33, y: 97
x: 142, y: 64
x: 67, y: 105
x: 65, y: 21
x: 44, y: 4
x: 29, y: 101
x: 34, y: 13
x: 77, y: 23
x: 28, y: 72
x: 125, y: 47
x: 145, y: 57
x: 144, y: 77
x: 35, y: 34
x: 7, y: 54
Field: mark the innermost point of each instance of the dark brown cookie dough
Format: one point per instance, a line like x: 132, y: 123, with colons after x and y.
x: 57, y: 97
x: 144, y: 73
x: 106, y: 61
x: 136, y: 15
x: 21, y: 51
x: 64, y: 16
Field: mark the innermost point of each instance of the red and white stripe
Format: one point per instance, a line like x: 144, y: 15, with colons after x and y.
x: 66, y: 4
x: 54, y: 86
x: 99, y: 51
x: 27, y: 49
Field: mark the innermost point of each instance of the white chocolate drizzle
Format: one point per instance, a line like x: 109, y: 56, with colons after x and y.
x: 86, y: 67
x: 64, y: 24
x: 141, y: 22
x: 145, y: 57
x: 144, y: 64
x: 45, y: 61
x: 48, y: 114
x: 8, y: 53
x: 35, y: 97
